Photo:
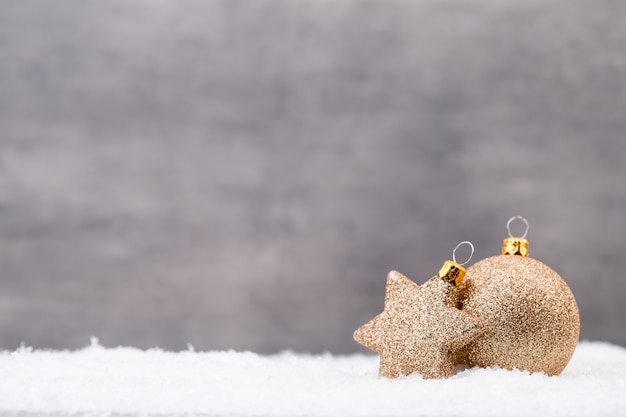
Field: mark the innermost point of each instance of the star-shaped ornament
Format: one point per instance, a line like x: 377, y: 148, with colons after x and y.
x: 421, y: 329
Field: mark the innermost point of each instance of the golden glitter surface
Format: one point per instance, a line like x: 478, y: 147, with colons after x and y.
x: 530, y: 312
x: 420, y: 329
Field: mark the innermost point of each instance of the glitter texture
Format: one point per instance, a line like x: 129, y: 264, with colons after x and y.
x: 530, y: 312
x: 420, y: 330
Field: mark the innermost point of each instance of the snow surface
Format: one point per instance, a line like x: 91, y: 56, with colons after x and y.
x: 127, y: 381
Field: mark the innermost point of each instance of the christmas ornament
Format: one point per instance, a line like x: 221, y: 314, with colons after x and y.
x: 530, y: 313
x: 421, y: 329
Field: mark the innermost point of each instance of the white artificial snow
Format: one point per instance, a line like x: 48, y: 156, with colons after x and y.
x: 126, y: 381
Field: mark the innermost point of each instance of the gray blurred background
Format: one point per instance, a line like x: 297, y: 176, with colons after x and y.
x: 243, y: 174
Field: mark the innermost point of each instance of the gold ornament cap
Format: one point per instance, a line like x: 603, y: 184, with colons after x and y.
x: 514, y: 245
x: 453, y: 272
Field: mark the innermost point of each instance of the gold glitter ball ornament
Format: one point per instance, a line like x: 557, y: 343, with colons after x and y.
x: 530, y: 313
x: 421, y: 329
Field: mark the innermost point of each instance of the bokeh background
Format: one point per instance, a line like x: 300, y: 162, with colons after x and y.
x: 243, y: 174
